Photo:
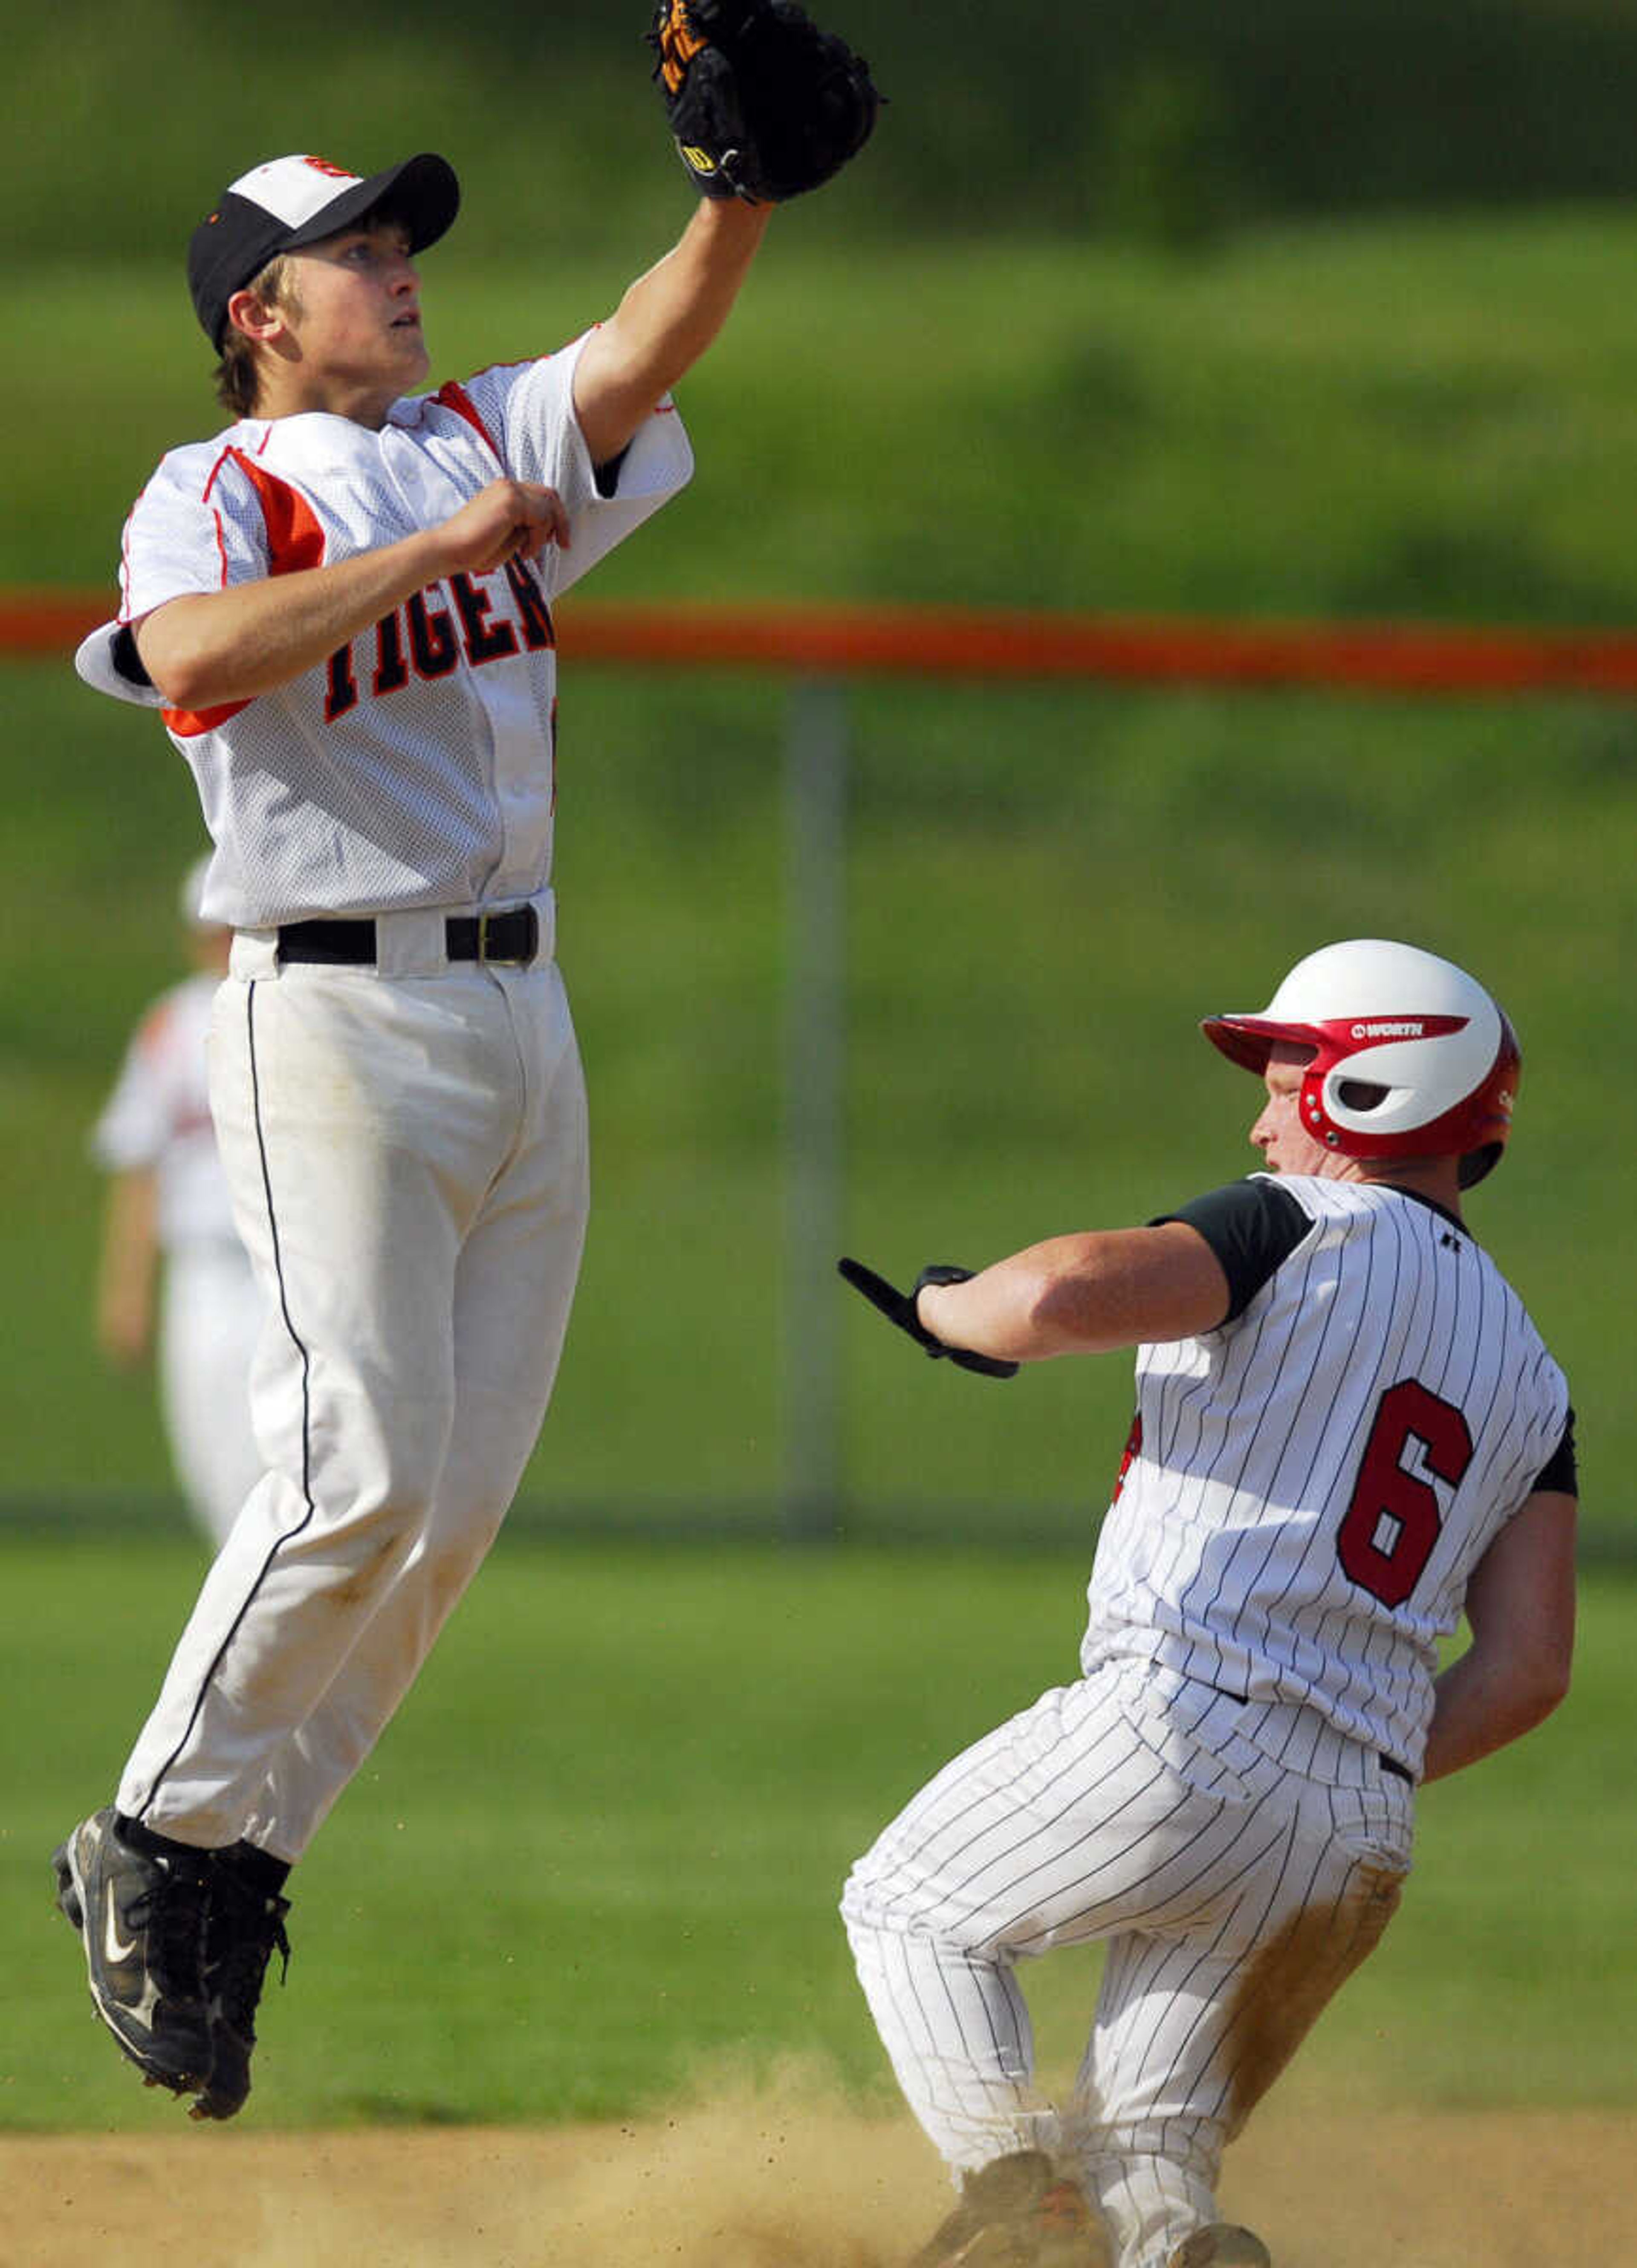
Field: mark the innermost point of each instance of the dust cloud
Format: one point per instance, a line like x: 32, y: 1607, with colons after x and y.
x: 778, y: 2177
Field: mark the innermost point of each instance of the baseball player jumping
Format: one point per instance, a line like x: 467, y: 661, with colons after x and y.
x: 1347, y: 1432
x: 342, y: 606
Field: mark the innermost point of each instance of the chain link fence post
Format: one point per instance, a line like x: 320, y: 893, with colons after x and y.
x: 814, y: 1039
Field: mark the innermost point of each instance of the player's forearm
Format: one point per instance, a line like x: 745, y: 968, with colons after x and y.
x: 1520, y: 1607
x: 1023, y: 1309
x: 218, y: 646
x: 130, y: 1267
x: 1083, y: 1294
x: 666, y: 319
x: 1482, y: 1703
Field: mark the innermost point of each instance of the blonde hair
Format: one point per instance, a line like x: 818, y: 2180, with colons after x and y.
x: 237, y: 379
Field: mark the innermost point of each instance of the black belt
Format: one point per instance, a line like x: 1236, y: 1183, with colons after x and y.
x: 1388, y: 1763
x: 513, y: 935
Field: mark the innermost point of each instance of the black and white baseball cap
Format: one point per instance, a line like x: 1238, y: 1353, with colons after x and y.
x: 290, y: 201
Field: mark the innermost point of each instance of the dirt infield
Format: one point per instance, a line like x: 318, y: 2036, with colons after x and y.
x: 797, y: 2186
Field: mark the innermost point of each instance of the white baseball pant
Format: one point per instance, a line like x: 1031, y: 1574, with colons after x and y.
x: 1235, y: 1894
x: 407, y: 1151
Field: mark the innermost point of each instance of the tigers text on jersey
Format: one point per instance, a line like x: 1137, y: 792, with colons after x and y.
x: 1310, y: 1487
x: 416, y: 767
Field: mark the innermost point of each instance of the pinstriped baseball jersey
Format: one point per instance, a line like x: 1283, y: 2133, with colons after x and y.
x: 1310, y: 1487
x: 415, y: 767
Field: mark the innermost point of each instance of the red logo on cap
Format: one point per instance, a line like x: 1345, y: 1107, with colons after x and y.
x: 335, y: 173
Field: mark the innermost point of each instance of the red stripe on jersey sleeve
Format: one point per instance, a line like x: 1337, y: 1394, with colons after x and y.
x: 452, y: 396
x: 294, y: 537
x: 187, y: 723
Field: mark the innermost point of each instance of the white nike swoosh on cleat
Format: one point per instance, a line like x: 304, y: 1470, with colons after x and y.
x: 116, y: 1952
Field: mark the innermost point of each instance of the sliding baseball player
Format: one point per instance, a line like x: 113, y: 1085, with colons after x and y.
x: 1348, y: 1433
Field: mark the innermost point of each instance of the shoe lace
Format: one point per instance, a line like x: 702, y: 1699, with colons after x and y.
x: 246, y: 1927
x: 172, y: 1909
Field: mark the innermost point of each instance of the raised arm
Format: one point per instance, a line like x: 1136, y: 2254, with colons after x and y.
x: 664, y: 323
x: 1520, y: 1607
x: 1083, y: 1295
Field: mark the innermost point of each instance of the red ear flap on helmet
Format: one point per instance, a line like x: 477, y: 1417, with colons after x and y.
x: 1488, y: 1116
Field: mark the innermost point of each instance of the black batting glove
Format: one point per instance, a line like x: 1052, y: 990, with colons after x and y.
x: 899, y: 1308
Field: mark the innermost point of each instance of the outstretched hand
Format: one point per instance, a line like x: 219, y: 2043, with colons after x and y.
x: 899, y: 1309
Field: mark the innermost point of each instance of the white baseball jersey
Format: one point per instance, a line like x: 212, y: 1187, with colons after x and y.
x: 1310, y: 1487
x: 158, y: 1118
x: 415, y: 767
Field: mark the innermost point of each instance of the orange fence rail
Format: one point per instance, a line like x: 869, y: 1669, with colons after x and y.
x: 831, y: 640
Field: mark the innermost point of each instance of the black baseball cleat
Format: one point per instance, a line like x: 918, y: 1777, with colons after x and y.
x: 1221, y: 2246
x: 139, y: 1902
x: 243, y: 1930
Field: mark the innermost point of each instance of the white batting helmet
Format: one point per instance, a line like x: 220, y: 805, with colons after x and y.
x: 1412, y: 1059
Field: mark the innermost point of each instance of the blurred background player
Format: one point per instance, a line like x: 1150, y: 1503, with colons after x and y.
x: 174, y: 1281
x: 1347, y: 1432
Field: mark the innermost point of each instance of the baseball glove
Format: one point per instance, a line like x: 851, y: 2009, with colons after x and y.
x: 899, y: 1308
x: 762, y: 104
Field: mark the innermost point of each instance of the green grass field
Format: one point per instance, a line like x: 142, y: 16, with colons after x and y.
x: 1045, y: 887
x: 1430, y: 415
x: 595, y: 1861
x: 1030, y: 947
